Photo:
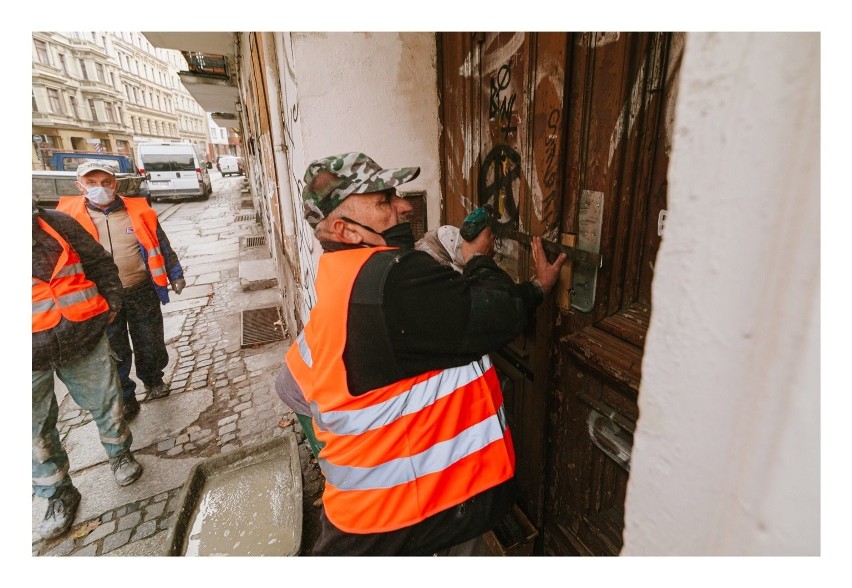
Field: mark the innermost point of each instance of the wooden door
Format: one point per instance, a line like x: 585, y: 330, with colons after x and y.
x: 566, y: 135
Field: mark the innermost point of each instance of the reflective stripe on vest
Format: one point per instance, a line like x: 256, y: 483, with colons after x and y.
x: 144, y: 221
x: 69, y: 293
x: 418, y: 397
x: 403, y: 452
x: 399, y: 471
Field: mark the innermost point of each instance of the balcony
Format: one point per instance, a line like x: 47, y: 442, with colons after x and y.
x: 214, y: 43
x: 50, y: 74
x: 207, y: 64
x: 210, y: 77
x: 226, y: 120
x: 95, y: 87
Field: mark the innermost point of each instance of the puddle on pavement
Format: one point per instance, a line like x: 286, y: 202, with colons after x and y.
x: 247, y: 511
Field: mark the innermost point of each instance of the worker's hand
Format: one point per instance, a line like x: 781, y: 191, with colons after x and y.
x: 178, y: 285
x: 111, y: 316
x: 545, y: 273
x: 483, y: 244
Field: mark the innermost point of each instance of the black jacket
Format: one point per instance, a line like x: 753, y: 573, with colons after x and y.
x: 69, y: 341
x: 408, y: 314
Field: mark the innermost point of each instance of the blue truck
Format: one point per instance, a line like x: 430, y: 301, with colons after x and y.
x: 69, y: 160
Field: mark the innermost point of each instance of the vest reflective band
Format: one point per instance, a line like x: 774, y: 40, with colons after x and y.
x: 69, y: 293
x: 144, y: 221
x: 402, y: 452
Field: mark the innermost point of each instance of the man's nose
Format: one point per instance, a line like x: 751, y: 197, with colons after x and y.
x: 402, y: 205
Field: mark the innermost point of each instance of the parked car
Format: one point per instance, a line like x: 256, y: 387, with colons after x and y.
x: 231, y: 165
x: 49, y: 185
x: 175, y: 170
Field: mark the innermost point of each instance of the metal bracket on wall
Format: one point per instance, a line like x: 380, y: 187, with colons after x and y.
x: 585, y: 274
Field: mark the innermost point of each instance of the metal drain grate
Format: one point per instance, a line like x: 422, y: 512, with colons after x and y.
x: 254, y: 241
x: 244, y: 217
x: 262, y: 325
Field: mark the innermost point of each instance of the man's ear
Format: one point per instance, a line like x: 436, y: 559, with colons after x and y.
x: 80, y: 187
x: 345, y: 232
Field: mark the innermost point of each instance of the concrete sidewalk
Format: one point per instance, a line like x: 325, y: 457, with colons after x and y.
x: 222, y: 396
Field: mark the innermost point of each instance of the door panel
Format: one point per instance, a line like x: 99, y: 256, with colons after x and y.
x: 532, y: 121
x: 617, y: 147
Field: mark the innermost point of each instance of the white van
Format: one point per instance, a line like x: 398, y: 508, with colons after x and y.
x: 230, y: 165
x: 176, y: 171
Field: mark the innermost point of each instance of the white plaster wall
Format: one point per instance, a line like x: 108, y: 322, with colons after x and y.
x: 372, y: 92
x: 726, y: 454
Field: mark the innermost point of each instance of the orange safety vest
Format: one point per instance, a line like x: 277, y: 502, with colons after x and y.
x: 402, y: 452
x: 69, y: 293
x: 144, y: 221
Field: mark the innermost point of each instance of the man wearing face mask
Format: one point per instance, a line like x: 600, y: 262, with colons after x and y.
x: 129, y: 230
x: 393, y: 368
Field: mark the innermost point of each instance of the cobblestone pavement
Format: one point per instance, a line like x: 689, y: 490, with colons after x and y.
x: 222, y: 395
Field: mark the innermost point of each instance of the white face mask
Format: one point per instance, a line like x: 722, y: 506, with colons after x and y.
x: 100, y: 195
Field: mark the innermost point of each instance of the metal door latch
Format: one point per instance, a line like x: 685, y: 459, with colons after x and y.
x: 661, y: 222
x: 585, y: 274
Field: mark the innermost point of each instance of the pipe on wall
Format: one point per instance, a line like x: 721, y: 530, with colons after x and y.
x: 279, y: 148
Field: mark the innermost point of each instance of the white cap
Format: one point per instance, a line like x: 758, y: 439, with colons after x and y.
x: 90, y: 166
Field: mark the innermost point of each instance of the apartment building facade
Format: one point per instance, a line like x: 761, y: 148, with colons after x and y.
x: 108, y: 91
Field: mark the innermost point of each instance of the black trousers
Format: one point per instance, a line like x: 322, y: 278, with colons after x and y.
x: 440, y: 531
x: 140, y: 321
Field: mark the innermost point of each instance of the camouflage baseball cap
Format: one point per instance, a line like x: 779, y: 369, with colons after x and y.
x: 330, y: 180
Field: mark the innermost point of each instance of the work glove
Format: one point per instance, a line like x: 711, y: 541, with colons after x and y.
x: 178, y: 285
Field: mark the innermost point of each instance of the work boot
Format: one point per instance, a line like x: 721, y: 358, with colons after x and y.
x: 61, y: 508
x: 125, y: 468
x: 157, y: 391
x: 131, y: 408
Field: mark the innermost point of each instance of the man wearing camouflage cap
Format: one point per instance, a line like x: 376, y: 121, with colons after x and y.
x: 393, y: 368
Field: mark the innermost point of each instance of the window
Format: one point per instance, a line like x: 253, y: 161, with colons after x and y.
x: 74, y: 111
x: 110, y: 111
x: 120, y: 115
x: 161, y: 163
x: 83, y: 71
x: 35, y: 104
x: 92, y: 109
x: 112, y: 78
x: 99, y: 70
x: 55, y: 102
x: 62, y: 64
x: 41, y: 51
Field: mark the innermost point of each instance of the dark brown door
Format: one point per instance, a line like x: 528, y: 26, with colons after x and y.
x: 565, y: 134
